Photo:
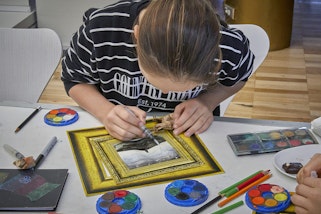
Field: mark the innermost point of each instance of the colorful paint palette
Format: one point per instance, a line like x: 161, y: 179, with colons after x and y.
x: 186, y: 193
x: 271, y: 141
x: 61, y: 117
x: 118, y: 202
x: 268, y: 198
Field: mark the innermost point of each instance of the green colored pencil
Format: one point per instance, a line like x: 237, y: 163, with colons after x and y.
x: 226, y: 209
x: 222, y: 192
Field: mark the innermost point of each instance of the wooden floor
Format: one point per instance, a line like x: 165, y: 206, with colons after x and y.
x: 287, y: 86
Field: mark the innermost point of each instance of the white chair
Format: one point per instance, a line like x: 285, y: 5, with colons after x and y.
x: 259, y: 45
x: 28, y: 59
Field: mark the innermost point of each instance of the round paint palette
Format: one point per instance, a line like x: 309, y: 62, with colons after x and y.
x: 186, y: 193
x: 267, y: 198
x: 118, y: 202
x: 61, y: 117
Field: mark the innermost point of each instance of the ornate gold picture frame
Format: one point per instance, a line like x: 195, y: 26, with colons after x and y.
x: 105, y: 163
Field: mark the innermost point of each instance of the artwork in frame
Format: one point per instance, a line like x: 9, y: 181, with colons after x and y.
x: 106, y: 164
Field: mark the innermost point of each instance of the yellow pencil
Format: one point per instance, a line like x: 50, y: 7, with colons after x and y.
x: 235, y: 195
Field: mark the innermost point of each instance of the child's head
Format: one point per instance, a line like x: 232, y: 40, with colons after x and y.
x: 179, y: 40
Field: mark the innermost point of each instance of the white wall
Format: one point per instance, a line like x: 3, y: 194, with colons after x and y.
x: 17, y: 5
x: 65, y: 16
x: 15, y: 2
x: 16, y: 13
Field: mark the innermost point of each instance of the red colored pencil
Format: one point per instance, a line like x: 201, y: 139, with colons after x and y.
x: 246, y: 183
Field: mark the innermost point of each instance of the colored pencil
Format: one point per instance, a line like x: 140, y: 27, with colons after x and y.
x: 246, y: 183
x: 216, y: 199
x: 224, y: 191
x: 229, y: 208
x: 28, y: 119
x: 235, y: 195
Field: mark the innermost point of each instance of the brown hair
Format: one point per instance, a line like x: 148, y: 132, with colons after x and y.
x: 180, y: 39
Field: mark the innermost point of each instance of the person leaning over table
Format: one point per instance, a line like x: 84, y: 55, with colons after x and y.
x: 163, y: 55
x: 307, y: 199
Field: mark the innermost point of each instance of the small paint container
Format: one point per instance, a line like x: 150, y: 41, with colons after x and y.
x: 61, y: 117
x: 275, y: 135
x: 307, y: 141
x: 300, y: 132
x: 118, y: 202
x: 268, y: 198
x: 288, y: 133
x: 295, y: 142
x: 186, y: 193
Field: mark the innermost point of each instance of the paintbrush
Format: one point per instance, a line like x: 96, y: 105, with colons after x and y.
x: 147, y: 132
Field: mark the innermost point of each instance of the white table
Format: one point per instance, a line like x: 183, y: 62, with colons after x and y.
x: 36, y: 134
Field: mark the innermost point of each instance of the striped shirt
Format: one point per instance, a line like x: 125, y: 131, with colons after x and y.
x: 102, y: 53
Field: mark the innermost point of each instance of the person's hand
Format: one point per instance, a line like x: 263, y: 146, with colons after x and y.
x: 307, y: 199
x: 123, y: 124
x: 308, y: 192
x: 192, y: 116
x: 313, y: 165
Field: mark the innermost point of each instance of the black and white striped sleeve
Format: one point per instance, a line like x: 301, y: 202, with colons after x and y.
x: 237, y: 58
x: 78, y: 62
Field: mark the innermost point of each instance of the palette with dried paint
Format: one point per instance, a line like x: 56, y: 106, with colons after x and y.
x: 61, y: 117
x: 118, y: 202
x: 268, y: 198
x: 186, y: 193
x: 270, y: 141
